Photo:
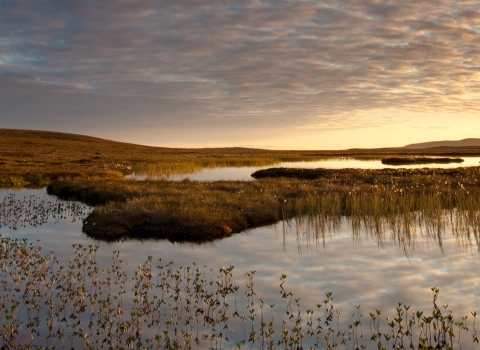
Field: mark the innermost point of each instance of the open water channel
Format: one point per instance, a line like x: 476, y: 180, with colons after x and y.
x: 358, y: 270
x: 244, y: 173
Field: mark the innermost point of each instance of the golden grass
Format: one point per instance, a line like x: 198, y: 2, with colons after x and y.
x: 92, y: 170
x: 39, y: 157
x: 176, y: 210
x: 188, y: 165
x: 377, y: 199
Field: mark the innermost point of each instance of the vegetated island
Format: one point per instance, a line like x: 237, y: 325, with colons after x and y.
x: 204, y: 211
x: 93, y: 171
x: 420, y: 160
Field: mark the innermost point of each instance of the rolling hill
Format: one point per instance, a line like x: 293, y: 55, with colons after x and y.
x: 460, y: 143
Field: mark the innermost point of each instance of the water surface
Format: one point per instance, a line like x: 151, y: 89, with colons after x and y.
x: 244, y: 173
x: 358, y: 271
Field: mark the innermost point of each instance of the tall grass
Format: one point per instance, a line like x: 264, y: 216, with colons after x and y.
x: 53, y: 302
x: 187, y: 165
x: 402, y: 214
x: 36, y: 158
x: 372, y: 199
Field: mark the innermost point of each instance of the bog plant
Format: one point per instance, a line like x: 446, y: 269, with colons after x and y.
x: 54, y: 302
x: 17, y: 211
x: 396, y: 200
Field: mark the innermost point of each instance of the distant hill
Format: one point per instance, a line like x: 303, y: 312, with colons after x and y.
x: 36, y: 135
x: 460, y: 143
x: 232, y: 149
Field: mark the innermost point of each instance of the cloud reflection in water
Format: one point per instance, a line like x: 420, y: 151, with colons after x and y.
x: 358, y: 271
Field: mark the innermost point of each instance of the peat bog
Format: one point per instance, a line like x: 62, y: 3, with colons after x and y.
x: 420, y: 160
x: 202, y: 211
x: 74, y: 303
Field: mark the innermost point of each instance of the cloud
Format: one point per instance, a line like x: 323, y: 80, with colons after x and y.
x: 224, y: 63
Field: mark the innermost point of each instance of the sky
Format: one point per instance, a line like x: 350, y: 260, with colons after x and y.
x: 279, y: 74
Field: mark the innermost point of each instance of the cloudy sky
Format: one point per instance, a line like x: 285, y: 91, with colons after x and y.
x: 291, y: 74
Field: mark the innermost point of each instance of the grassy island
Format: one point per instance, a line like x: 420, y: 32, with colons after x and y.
x: 202, y: 211
x: 93, y: 170
x: 420, y: 160
x: 48, y: 299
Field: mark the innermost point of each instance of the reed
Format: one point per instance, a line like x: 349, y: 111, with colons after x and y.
x: 55, y: 302
x: 36, y: 158
x: 186, y: 165
x: 317, y: 218
x: 374, y: 200
x: 404, y: 215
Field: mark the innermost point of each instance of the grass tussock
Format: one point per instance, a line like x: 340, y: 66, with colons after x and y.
x: 374, y: 200
x: 180, y: 211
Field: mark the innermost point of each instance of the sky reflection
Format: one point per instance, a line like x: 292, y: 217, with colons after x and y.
x: 244, y: 173
x: 358, y: 272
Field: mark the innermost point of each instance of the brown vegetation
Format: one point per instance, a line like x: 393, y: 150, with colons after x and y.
x: 37, y: 157
x: 203, y: 211
x: 92, y: 170
x: 420, y: 160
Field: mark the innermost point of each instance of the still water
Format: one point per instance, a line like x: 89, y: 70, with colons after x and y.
x: 358, y: 271
x: 244, y: 173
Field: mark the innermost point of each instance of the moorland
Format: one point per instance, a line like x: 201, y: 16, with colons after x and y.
x: 52, y: 300
x: 93, y: 171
